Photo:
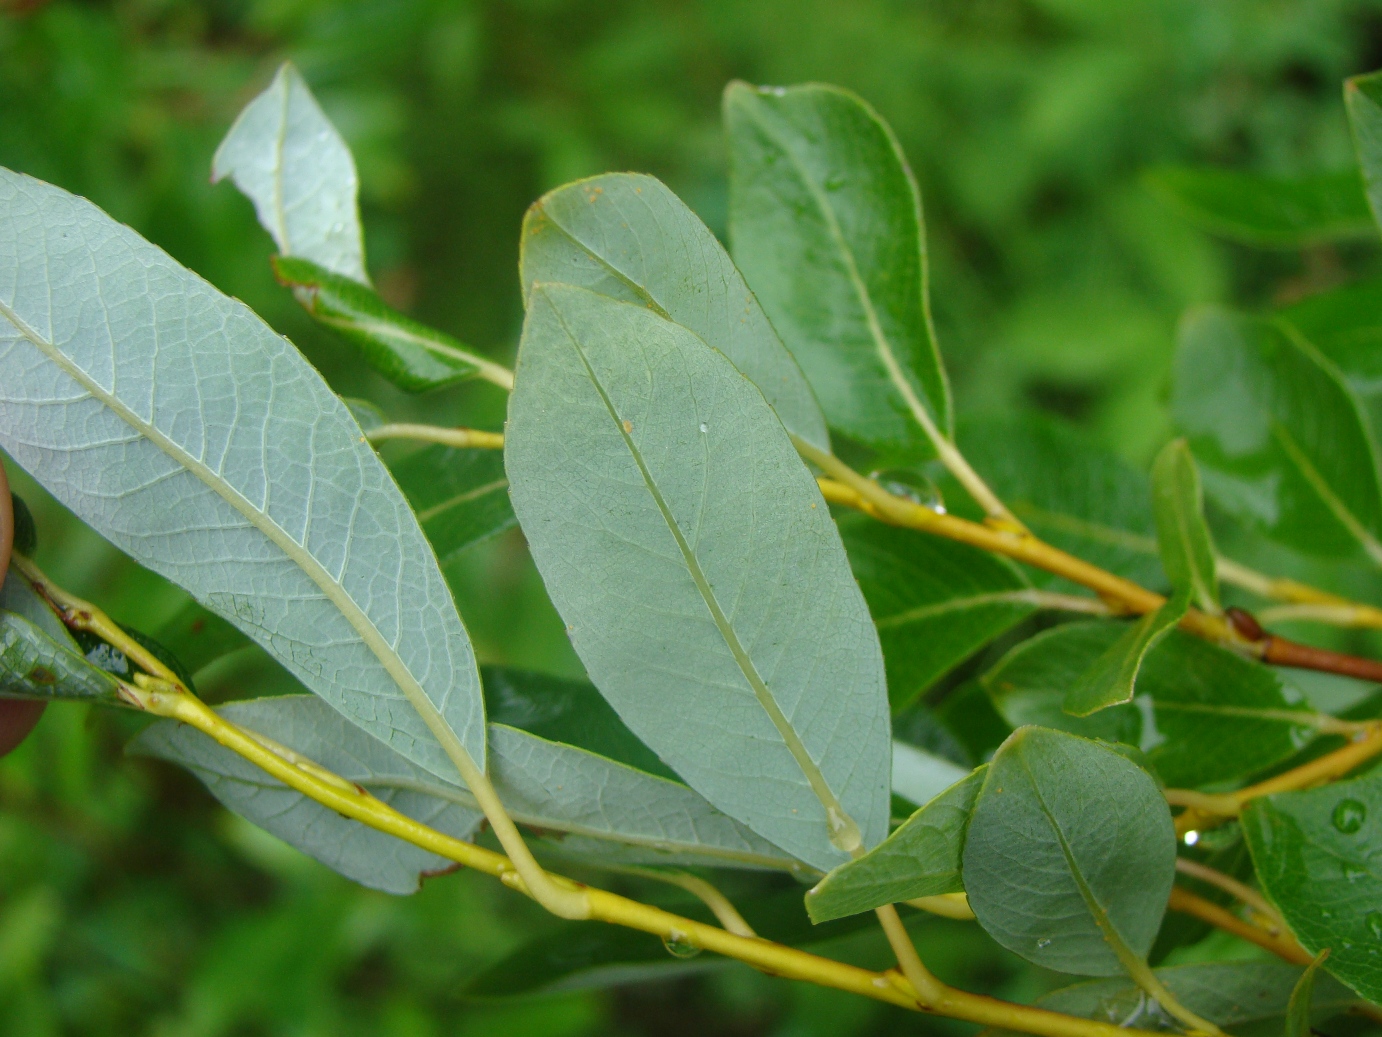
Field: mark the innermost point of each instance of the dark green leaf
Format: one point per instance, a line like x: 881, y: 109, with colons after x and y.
x: 627, y: 236
x: 920, y: 859
x: 409, y: 354
x: 934, y: 602
x: 1187, y: 552
x: 1202, y: 715
x: 825, y: 222
x: 696, y: 565
x: 1268, y: 211
x: 461, y: 496
x: 1282, y: 443
x: 1111, y: 678
x: 1363, y: 98
x: 1302, y: 999
x: 1250, y: 997
x: 113, y: 660
x: 1319, y: 860
x: 1069, y: 492
x: 1070, y: 854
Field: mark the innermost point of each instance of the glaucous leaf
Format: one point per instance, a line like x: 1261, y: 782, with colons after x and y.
x: 1111, y: 678
x: 34, y: 665
x: 461, y: 496
x: 1071, y: 493
x: 1070, y: 854
x: 1249, y: 997
x: 192, y: 433
x: 1272, y: 212
x: 1282, y: 443
x: 1187, y: 551
x: 410, y: 354
x: 287, y: 158
x: 698, y: 570
x: 1363, y: 99
x: 919, y: 776
x: 920, y: 859
x: 627, y: 236
x: 549, y: 785
x: 935, y: 602
x: 825, y: 221
x: 1202, y: 714
x: 1319, y: 860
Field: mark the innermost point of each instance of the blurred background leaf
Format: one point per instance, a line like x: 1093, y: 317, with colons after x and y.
x: 129, y: 903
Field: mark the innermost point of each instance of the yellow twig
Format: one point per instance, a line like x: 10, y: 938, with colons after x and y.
x: 462, y: 438
x: 719, y: 904
x: 1249, y: 896
x: 1282, y: 944
x: 947, y: 905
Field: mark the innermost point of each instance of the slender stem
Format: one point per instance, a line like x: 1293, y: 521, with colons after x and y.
x: 846, y: 486
x: 1206, y: 810
x: 164, y: 699
x: 454, y: 437
x: 1148, y: 980
x: 719, y: 904
x: 1233, y: 887
x: 947, y: 905
x: 929, y: 989
x: 1283, y: 944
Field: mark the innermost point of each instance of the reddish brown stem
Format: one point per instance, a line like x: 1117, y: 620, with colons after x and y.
x: 1282, y: 652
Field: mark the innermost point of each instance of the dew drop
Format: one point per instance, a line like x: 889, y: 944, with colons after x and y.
x: 910, y: 484
x: 1043, y: 942
x: 1353, y: 874
x: 835, y: 182
x: 1374, y: 920
x: 679, y: 945
x: 704, y: 428
x: 1349, y: 816
x: 844, y: 833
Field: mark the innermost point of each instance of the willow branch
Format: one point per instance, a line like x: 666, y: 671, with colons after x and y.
x: 1249, y: 896
x: 454, y: 437
x: 1282, y: 944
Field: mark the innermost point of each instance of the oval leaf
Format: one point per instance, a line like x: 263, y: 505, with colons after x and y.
x: 627, y: 236
x: 1282, y: 442
x: 1070, y: 854
x: 190, y: 433
x: 922, y: 858
x: 701, y: 577
x: 287, y: 158
x: 825, y: 221
x: 1318, y: 856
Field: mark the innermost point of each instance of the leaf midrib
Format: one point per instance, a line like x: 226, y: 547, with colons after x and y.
x: 299, y: 555
x: 789, y: 736
x: 881, y: 344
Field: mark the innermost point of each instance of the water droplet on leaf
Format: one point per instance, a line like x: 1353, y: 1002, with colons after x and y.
x: 835, y: 182
x: 704, y: 427
x: 1043, y: 942
x: 679, y: 945
x: 1374, y: 921
x: 1349, y: 816
x: 844, y: 833
x: 910, y: 484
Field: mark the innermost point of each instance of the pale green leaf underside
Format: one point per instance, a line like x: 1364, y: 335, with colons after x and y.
x: 701, y: 578
x: 287, y: 158
x: 922, y: 858
x: 919, y: 775
x: 1070, y: 854
x: 825, y: 222
x: 551, y: 786
x: 627, y: 236
x: 182, y: 428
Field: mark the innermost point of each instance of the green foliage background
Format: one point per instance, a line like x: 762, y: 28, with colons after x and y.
x: 128, y: 902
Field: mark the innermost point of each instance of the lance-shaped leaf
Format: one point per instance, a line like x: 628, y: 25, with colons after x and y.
x: 1187, y: 552
x: 627, y: 236
x: 1273, y: 212
x: 1112, y: 677
x: 287, y: 158
x: 1302, y: 997
x: 409, y: 354
x: 935, y: 602
x: 1202, y: 714
x: 1363, y: 98
x: 1068, y: 491
x: 825, y: 221
x: 461, y: 496
x: 190, y: 433
x: 550, y: 785
x: 1281, y: 440
x: 1249, y: 996
x: 698, y: 570
x: 922, y: 858
x: 1070, y: 854
x: 1318, y: 856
